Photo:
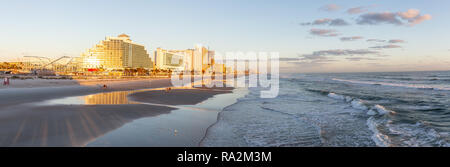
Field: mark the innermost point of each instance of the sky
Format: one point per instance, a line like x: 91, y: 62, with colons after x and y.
x: 311, y: 36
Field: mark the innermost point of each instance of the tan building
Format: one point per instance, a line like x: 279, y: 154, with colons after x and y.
x: 115, y: 53
x: 198, y: 59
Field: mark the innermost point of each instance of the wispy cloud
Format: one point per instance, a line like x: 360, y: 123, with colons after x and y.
x: 419, y: 19
x: 376, y: 40
x: 410, y: 14
x: 387, y: 41
x: 411, y: 17
x: 288, y: 59
x: 357, y: 10
x: 386, y: 47
x: 327, y: 56
x: 323, y: 57
x: 339, y: 52
x: 361, y: 58
x: 338, y: 22
x: 396, y: 41
x: 324, y: 32
x: 330, y: 8
x: 322, y: 21
x: 378, y: 18
x: 354, y: 38
x: 327, y: 21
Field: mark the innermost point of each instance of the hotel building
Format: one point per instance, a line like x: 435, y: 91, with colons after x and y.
x: 198, y: 59
x: 116, y: 53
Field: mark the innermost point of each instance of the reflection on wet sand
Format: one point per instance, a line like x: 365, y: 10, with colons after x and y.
x: 108, y: 98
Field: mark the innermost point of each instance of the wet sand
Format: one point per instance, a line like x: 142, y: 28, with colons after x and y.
x: 184, y: 126
x: 25, y: 120
x: 178, y: 96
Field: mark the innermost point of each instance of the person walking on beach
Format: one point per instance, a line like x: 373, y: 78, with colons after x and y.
x: 6, y: 81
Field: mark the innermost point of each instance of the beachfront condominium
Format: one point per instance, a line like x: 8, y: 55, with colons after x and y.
x: 116, y: 53
x: 197, y: 60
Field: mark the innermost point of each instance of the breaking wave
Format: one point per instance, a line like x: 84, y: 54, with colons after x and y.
x: 417, y: 86
x: 381, y: 125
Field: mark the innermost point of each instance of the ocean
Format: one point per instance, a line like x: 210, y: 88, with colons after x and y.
x: 395, y: 109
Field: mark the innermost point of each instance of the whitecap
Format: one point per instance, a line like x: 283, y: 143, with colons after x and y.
x: 379, y: 138
x: 382, y: 110
x: 417, y: 86
x: 359, y: 104
x: 336, y: 96
x: 372, y: 112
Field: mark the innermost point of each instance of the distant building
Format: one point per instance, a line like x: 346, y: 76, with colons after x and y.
x: 219, y: 68
x: 115, y: 53
x: 198, y: 59
x: 175, y: 60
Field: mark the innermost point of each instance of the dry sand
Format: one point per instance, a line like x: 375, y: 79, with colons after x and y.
x: 37, y: 83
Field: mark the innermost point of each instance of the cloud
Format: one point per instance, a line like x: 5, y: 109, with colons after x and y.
x: 388, y: 41
x: 338, y: 22
x: 357, y: 10
x: 354, y: 38
x: 313, y: 60
x: 411, y: 17
x: 338, y: 52
x: 330, y: 8
x: 326, y: 56
x: 288, y: 59
x: 386, y: 47
x: 324, y: 32
x: 361, y: 58
x: 419, y: 19
x: 378, y: 18
x: 375, y: 40
x: 327, y: 21
x: 313, y: 56
x: 309, y: 64
x: 322, y: 21
x: 389, y: 46
x: 396, y: 41
x: 410, y: 14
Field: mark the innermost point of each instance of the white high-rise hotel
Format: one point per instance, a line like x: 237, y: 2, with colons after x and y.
x: 198, y: 59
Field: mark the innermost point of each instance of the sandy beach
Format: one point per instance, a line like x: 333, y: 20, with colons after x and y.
x: 29, y: 118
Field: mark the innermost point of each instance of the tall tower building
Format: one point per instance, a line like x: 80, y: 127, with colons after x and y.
x: 117, y: 53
